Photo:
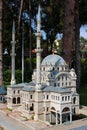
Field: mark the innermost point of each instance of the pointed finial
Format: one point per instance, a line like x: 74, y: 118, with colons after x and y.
x: 13, y: 31
x: 38, y: 20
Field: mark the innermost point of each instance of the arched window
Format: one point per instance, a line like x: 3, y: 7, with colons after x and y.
x: 44, y: 68
x: 18, y: 100
x: 53, y: 109
x: 65, y: 109
x: 14, y: 100
x: 18, y: 91
x: 32, y: 107
x: 14, y: 91
x: 54, y: 84
x: 1, y: 98
x: 74, y: 100
x: 53, y: 68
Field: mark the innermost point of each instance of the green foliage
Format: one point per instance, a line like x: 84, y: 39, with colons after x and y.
x: 18, y: 76
x: 7, y: 76
x: 83, y: 76
x: 28, y: 75
x: 84, y: 71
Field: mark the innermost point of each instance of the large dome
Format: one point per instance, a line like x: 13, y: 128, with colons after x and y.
x: 54, y: 60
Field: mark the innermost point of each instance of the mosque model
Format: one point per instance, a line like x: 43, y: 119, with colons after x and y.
x: 51, y: 95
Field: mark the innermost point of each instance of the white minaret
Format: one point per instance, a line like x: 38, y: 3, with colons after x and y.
x: 38, y: 51
x: 13, y: 42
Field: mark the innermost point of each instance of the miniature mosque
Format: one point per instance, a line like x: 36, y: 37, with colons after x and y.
x: 51, y: 95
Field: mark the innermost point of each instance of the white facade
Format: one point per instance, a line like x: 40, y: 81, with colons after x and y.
x: 57, y: 99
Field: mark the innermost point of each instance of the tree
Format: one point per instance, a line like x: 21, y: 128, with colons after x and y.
x: 1, y: 74
x: 68, y: 34
x: 77, y: 42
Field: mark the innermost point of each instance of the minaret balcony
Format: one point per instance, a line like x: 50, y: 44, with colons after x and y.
x: 13, y: 42
x: 38, y: 34
x: 13, y: 54
x: 38, y: 50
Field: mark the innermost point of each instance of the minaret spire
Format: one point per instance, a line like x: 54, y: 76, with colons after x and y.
x: 38, y: 51
x: 13, y: 81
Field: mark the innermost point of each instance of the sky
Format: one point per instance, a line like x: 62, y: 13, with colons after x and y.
x: 83, y: 31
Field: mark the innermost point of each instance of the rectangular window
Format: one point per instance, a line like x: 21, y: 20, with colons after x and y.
x: 54, y: 84
x: 68, y: 97
x: 30, y: 96
x: 62, y: 98
x: 47, y: 108
x: 65, y: 98
x: 47, y: 96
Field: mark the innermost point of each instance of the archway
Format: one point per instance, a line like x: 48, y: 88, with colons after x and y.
x: 14, y: 100
x: 66, y: 109
x: 53, y: 115
x: 66, y: 115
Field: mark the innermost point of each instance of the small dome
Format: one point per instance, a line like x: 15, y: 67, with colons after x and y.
x: 54, y: 60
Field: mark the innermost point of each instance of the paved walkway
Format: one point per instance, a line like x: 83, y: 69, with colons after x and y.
x: 14, y: 121
x: 10, y: 124
x: 30, y: 124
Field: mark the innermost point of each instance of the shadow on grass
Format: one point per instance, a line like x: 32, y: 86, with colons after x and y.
x: 78, y: 117
x: 83, y: 95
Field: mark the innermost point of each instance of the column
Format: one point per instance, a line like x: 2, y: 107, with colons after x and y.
x: 13, y: 42
x: 50, y: 117
x: 56, y: 118
x: 70, y: 117
x: 60, y: 118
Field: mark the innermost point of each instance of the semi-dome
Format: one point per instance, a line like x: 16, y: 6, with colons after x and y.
x: 54, y: 60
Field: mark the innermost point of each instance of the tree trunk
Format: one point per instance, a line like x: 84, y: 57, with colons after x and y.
x: 77, y: 42
x: 1, y: 74
x: 68, y: 34
x: 30, y: 46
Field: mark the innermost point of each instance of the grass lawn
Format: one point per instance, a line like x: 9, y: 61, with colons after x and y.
x: 83, y: 95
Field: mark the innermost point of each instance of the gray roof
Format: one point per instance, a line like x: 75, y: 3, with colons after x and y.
x: 75, y: 94
x: 2, y: 90
x: 21, y: 85
x: 56, y: 90
x: 30, y: 86
x: 54, y: 60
